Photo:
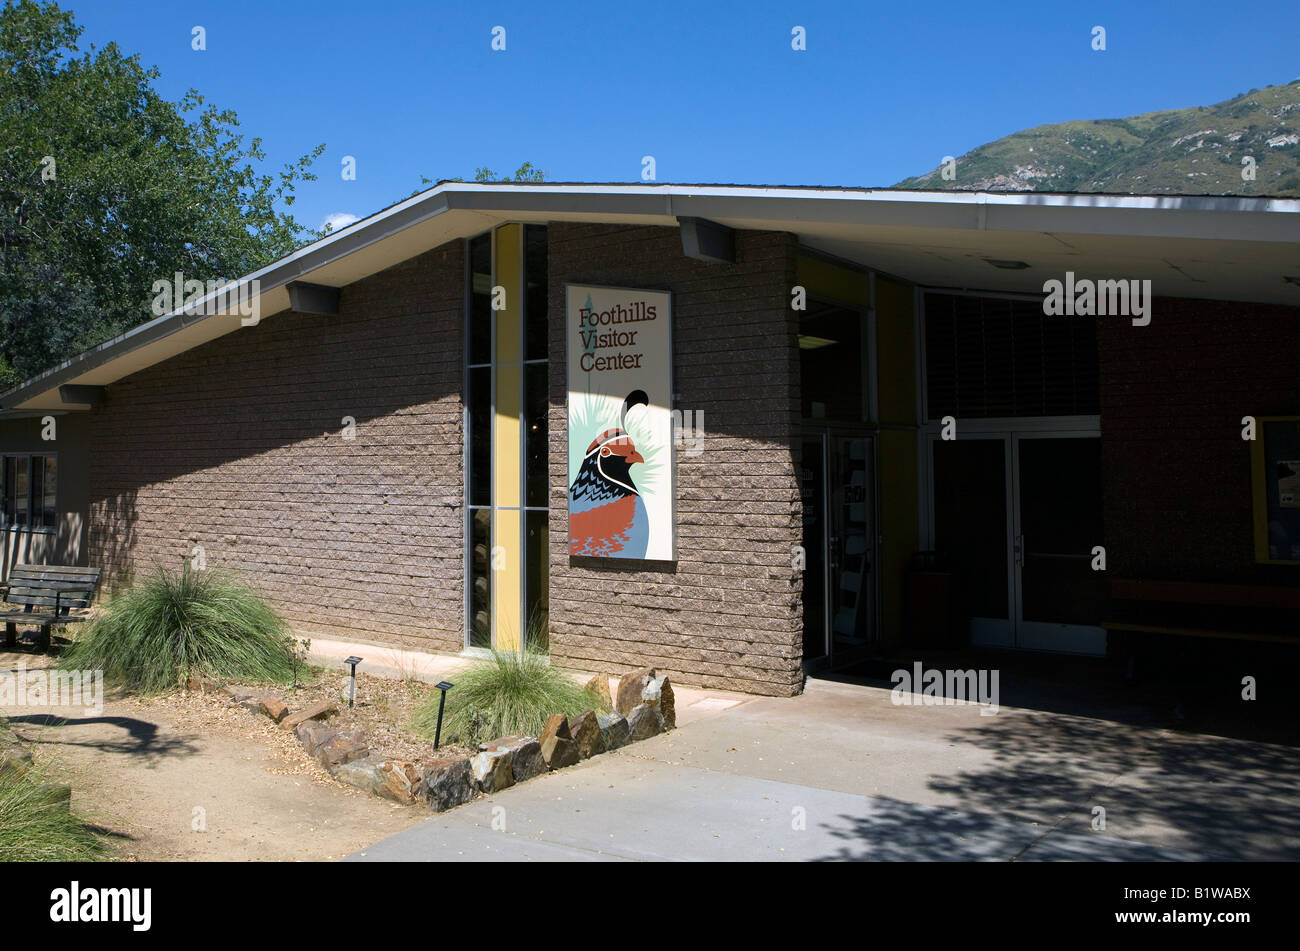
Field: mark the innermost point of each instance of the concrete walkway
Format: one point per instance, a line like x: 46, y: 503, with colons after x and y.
x: 840, y: 773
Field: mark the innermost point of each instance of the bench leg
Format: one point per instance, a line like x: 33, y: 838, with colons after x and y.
x: 43, y: 643
x: 11, y: 635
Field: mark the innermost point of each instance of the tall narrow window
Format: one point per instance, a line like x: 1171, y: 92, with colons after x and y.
x: 478, y: 434
x: 507, y: 445
x: 536, y: 439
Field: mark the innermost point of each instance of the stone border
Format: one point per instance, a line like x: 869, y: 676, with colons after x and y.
x: 643, y: 707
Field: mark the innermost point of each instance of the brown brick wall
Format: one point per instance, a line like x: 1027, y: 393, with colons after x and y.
x: 1175, y: 468
x: 728, y: 613
x: 237, y: 446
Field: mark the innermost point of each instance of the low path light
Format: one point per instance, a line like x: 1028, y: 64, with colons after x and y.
x: 444, y: 686
x: 352, y: 685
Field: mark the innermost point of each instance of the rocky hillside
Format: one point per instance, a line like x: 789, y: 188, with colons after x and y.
x: 1195, y: 151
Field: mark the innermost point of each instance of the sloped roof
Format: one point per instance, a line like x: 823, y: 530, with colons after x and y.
x: 1231, y: 248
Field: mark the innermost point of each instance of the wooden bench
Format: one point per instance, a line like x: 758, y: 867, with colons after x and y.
x: 1143, y: 608
x: 57, y: 589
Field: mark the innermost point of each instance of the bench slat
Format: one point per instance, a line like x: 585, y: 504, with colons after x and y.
x: 37, y: 617
x: 59, y: 587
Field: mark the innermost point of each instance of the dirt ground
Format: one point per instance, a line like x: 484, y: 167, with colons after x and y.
x: 192, y: 777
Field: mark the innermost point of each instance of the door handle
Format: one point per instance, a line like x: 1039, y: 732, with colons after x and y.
x: 1019, y: 551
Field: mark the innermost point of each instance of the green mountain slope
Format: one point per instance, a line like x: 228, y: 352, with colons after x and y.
x: 1195, y: 151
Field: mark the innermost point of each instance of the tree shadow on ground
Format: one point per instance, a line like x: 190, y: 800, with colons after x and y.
x: 1220, y: 797
x: 896, y: 831
x: 141, y: 737
x: 1166, y: 795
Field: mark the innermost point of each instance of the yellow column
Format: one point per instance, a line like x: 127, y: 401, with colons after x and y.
x: 507, y: 491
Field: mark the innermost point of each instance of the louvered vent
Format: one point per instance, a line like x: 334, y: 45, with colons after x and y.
x: 989, y: 356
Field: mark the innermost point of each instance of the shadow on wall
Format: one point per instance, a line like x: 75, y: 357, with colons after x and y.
x: 112, y: 537
x: 63, y: 546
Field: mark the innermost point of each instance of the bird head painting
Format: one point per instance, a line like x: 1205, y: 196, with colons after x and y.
x: 607, y: 516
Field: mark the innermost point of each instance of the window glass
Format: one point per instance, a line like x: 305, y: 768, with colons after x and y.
x: 51, y: 491
x: 480, y: 306
x: 536, y: 597
x: 480, y: 436
x: 535, y: 434
x: 535, y: 298
x: 480, y: 580
x: 21, y: 490
x: 832, y: 364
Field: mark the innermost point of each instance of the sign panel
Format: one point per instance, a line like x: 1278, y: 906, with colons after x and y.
x: 621, y: 477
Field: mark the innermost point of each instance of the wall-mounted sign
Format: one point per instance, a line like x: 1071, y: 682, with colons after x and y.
x: 1275, y: 468
x: 621, y: 477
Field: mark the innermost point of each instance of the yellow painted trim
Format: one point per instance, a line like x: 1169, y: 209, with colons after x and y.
x: 508, y: 272
x: 507, y: 580
x: 895, y: 352
x: 507, y: 438
x: 825, y: 279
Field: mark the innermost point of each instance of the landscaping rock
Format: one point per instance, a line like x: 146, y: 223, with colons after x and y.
x: 274, y: 709
x: 614, y: 731
x: 527, y: 761
x: 599, y: 685
x: 237, y: 694
x: 447, y: 782
x: 560, y: 753
x: 492, y: 770
x: 317, y: 711
x: 557, y: 742
x: 558, y: 748
x: 363, y: 773
x: 398, y: 781
x: 585, y: 730
x: 311, y: 734
x: 646, y: 721
x: 556, y: 726
x: 659, y: 693
x: 631, y: 687
x: 341, y: 748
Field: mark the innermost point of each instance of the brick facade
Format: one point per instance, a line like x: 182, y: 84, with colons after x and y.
x: 237, y: 446
x: 1176, y: 472
x: 728, y: 613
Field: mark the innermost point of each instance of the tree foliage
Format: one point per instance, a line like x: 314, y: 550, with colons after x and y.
x: 106, y: 187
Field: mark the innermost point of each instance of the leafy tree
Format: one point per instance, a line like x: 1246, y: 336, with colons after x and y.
x: 525, y: 173
x: 106, y: 187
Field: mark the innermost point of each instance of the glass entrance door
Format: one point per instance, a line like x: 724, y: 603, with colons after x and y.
x: 1017, y: 514
x: 1057, y: 524
x: 836, y: 485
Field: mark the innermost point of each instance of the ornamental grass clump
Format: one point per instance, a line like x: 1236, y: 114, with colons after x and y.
x: 513, y: 693
x: 35, y: 822
x: 172, y: 627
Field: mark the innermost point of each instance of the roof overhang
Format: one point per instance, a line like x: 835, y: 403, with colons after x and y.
x: 1214, y: 247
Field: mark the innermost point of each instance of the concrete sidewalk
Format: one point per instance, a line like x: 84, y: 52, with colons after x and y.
x: 841, y: 773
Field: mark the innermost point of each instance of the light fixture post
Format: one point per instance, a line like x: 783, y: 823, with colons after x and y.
x: 443, y: 686
x: 352, y: 681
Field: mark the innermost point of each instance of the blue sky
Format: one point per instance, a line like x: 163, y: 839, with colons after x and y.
x: 714, y: 92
